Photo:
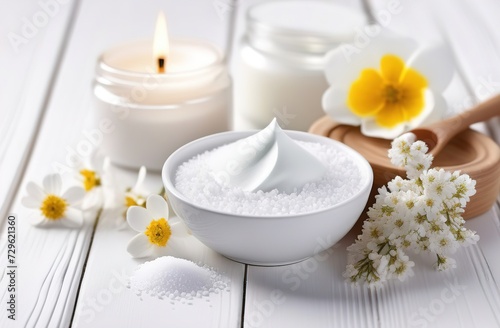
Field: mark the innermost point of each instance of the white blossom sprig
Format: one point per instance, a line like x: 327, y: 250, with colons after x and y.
x: 420, y: 213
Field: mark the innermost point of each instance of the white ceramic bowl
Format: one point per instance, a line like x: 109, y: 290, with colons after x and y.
x: 266, y: 240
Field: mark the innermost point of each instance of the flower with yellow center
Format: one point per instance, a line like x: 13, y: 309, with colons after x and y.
x: 156, y: 231
x: 53, y: 207
x: 52, y: 204
x: 134, y: 196
x: 90, y: 179
x: 389, y: 87
x: 393, y: 95
x: 93, y: 174
x: 134, y: 200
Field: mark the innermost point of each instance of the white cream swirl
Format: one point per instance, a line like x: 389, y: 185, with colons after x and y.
x: 266, y: 161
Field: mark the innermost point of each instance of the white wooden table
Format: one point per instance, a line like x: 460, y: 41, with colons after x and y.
x: 76, y: 277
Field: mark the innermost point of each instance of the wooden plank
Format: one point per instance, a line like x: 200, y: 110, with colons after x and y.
x: 482, y: 51
x: 474, y: 50
x: 104, y: 300
x: 32, y: 36
x: 468, y: 296
x: 311, y: 293
x: 51, y: 260
x: 473, y: 33
x: 477, y: 51
x: 314, y: 293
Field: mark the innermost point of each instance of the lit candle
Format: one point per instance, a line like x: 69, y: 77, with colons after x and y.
x: 160, y: 43
x: 280, y: 64
x: 153, y: 97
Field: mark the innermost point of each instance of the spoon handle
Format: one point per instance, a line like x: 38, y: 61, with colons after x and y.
x: 437, y: 135
x: 482, y: 112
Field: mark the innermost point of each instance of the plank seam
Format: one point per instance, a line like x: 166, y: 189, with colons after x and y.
x: 231, y: 32
x: 368, y: 11
x: 47, y: 280
x: 28, y: 152
x: 76, y: 274
x: 488, y: 292
x: 77, y: 297
x: 244, y: 296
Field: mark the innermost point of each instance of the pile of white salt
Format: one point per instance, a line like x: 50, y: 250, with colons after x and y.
x: 176, y: 279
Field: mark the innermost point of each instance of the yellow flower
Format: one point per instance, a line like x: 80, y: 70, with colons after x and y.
x: 393, y: 95
x: 388, y: 87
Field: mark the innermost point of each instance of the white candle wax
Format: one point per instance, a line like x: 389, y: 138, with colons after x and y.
x: 186, y: 55
x: 280, y: 66
x: 152, y: 114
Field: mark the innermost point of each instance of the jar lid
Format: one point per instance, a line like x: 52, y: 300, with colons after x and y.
x: 302, y: 26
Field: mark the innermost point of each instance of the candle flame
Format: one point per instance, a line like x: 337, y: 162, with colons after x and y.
x: 160, y: 43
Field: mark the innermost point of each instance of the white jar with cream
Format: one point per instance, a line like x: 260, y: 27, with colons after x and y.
x: 279, y: 69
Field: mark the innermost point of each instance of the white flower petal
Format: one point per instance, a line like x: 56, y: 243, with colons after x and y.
x: 93, y: 199
x: 138, y: 218
x: 140, y: 179
x: 335, y: 105
x: 74, y: 195
x: 30, y: 202
x: 342, y: 69
x: 37, y: 220
x: 174, y: 220
x: 179, y: 229
x: 106, y: 165
x: 439, y: 111
x: 370, y: 128
x: 435, y: 62
x: 109, y: 180
x: 95, y: 160
x: 52, y: 184
x: 435, y: 107
x: 157, y: 207
x: 122, y: 224
x: 139, y: 246
x: 174, y: 246
x: 35, y: 191
x: 73, y: 218
x: 345, y: 63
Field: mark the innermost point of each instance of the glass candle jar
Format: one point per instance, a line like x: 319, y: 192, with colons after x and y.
x: 279, y: 69
x: 145, y: 115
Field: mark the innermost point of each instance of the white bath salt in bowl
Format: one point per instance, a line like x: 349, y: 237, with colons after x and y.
x: 341, y: 181
x: 176, y: 279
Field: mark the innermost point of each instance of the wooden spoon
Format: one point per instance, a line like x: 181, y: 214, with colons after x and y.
x: 437, y: 135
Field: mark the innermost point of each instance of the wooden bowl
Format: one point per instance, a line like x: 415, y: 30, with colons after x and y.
x: 470, y: 152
